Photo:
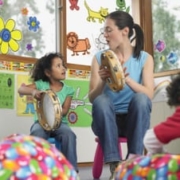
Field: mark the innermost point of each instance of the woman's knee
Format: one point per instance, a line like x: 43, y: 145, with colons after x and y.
x: 102, y: 102
x: 141, y: 100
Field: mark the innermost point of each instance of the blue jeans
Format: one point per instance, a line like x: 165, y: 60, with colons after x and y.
x: 105, y: 127
x: 64, y: 135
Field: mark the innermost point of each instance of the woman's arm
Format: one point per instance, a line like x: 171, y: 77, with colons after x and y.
x: 97, y: 80
x: 147, y: 79
x: 66, y: 105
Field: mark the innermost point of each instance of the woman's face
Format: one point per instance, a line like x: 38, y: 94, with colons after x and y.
x: 112, y: 34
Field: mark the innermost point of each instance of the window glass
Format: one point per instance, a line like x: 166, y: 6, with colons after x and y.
x: 27, y: 28
x: 166, y: 34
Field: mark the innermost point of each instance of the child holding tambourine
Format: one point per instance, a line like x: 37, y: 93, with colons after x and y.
x: 48, y: 73
x: 163, y: 133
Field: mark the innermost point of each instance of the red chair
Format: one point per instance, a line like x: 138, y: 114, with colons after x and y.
x: 98, y: 158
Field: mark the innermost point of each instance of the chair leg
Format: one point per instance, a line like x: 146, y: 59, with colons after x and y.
x: 98, y: 162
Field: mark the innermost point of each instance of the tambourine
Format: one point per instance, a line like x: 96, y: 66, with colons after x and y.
x: 110, y: 61
x: 49, y: 111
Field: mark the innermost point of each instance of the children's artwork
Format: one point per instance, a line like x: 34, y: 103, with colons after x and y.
x: 9, y: 36
x: 84, y: 41
x: 7, y: 90
x: 79, y: 114
x: 26, y: 103
x: 15, y: 66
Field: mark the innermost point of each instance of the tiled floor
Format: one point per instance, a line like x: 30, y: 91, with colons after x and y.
x: 85, y: 173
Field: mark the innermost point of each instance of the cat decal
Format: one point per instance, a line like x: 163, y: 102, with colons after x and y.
x: 92, y: 15
x: 77, y: 45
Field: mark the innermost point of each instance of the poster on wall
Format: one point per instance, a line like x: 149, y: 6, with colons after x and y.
x: 79, y: 114
x: 25, y: 103
x: 85, y: 27
x: 6, y: 91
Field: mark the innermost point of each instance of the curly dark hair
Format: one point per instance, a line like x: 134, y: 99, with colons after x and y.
x: 42, y: 64
x: 173, y: 92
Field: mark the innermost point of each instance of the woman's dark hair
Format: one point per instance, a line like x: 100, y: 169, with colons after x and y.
x: 173, y: 92
x: 42, y: 64
x: 123, y: 19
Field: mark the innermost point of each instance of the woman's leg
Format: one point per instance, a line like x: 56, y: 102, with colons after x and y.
x: 138, y: 121
x: 104, y: 126
x: 67, y: 138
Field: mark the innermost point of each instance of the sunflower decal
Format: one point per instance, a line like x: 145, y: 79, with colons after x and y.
x: 9, y: 36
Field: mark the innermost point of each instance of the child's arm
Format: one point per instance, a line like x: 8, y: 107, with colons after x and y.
x: 66, y: 105
x: 152, y: 144
x: 30, y: 90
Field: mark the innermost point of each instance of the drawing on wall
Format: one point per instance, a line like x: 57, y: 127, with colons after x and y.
x: 100, y: 41
x: 29, y: 103
x: 25, y: 104
x: 121, y: 4
x: 81, y: 74
x: 74, y: 5
x: 79, y: 114
x: 15, y: 66
x: 77, y: 45
x: 99, y: 14
x: 91, y: 16
x: 6, y: 90
x: 9, y: 36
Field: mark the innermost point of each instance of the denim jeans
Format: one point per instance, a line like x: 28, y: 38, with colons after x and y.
x: 105, y: 127
x: 64, y: 135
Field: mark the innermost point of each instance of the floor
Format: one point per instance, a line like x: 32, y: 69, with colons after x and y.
x: 85, y: 173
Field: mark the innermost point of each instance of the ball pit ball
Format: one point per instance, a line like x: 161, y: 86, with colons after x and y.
x: 24, y: 157
x: 154, y: 167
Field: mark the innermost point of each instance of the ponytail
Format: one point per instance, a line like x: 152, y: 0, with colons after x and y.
x: 139, y: 36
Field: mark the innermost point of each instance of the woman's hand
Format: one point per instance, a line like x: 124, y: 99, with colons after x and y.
x: 103, y: 73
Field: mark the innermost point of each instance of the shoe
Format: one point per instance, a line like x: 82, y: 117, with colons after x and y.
x: 113, y: 167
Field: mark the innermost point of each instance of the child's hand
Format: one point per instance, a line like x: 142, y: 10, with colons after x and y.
x: 37, y: 94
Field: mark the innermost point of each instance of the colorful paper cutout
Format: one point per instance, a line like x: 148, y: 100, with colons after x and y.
x: 9, y: 36
x: 77, y: 45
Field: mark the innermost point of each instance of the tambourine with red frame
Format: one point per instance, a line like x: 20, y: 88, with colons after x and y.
x: 110, y: 61
x: 49, y: 111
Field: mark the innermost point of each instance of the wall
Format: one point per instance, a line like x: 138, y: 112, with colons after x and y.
x: 11, y: 123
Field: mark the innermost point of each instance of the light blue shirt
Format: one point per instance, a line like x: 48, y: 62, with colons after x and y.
x: 122, y: 98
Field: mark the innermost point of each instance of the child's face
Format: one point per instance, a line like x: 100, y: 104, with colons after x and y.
x: 58, y: 71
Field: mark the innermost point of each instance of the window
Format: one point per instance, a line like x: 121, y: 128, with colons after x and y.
x: 28, y: 28
x: 82, y: 34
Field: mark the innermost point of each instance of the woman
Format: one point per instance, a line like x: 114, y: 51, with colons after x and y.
x: 127, y: 112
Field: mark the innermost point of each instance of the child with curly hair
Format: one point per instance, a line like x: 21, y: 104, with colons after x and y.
x: 48, y: 73
x: 163, y: 133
